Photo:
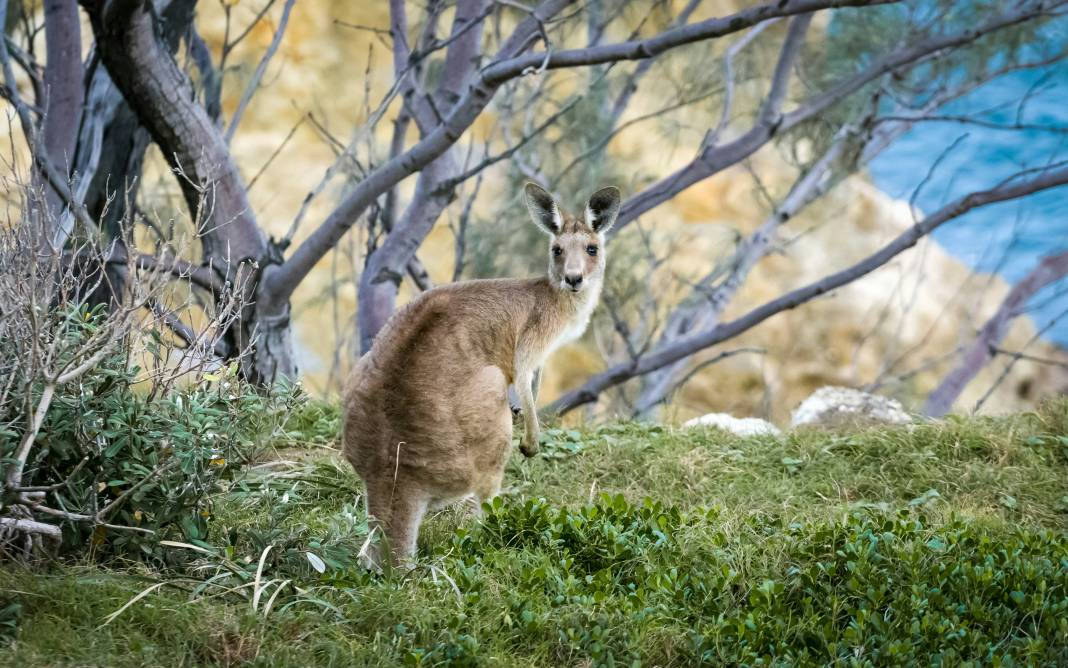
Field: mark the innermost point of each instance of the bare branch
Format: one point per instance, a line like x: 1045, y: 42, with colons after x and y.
x: 274, y: 154
x: 728, y: 78
x: 1016, y: 357
x: 283, y: 280
x: 30, y: 526
x: 200, y: 276
x: 630, y: 86
x: 1050, y: 269
x: 713, y: 159
x: 1009, y: 189
x: 257, y: 76
x: 14, y: 474
x: 707, y: 308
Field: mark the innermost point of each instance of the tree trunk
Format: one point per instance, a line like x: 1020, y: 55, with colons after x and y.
x: 62, y: 107
x: 108, y: 181
x: 385, y: 268
x: 234, y: 246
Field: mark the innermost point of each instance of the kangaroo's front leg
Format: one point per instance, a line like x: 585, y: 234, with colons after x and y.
x: 524, y: 387
x: 535, y: 385
x: 513, y: 395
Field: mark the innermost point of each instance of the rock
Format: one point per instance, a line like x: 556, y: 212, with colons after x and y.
x: 831, y: 406
x: 736, y: 426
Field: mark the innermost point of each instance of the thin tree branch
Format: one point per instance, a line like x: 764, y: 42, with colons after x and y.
x: 812, y: 185
x: 281, y: 281
x: 713, y: 159
x: 257, y: 76
x: 630, y: 86
x: 982, y: 350
x: 1009, y: 189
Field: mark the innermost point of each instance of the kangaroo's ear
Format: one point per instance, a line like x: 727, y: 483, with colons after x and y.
x: 602, y: 209
x: 543, y: 209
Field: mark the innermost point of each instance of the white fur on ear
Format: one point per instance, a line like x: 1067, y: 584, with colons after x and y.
x: 603, y: 208
x: 543, y: 209
x: 558, y: 218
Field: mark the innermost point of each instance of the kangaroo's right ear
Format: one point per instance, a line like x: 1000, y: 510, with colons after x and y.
x: 543, y: 209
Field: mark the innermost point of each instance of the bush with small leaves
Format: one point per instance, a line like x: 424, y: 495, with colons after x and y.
x: 127, y: 467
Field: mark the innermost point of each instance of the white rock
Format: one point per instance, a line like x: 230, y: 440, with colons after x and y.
x: 737, y: 426
x: 834, y: 405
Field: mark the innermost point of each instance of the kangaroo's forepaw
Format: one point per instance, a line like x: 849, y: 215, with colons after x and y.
x: 529, y: 449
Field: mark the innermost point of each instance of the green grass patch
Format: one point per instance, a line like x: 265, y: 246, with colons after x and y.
x: 624, y: 544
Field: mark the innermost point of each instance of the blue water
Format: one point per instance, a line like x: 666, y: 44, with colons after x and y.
x: 1007, y: 238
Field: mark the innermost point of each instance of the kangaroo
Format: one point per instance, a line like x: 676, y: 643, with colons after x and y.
x: 427, y: 416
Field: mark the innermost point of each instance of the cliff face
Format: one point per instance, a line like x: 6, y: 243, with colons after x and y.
x: 895, y: 327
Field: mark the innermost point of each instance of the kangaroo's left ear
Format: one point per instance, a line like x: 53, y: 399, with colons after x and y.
x: 602, y: 209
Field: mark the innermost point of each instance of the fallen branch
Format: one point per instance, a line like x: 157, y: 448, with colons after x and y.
x: 30, y: 526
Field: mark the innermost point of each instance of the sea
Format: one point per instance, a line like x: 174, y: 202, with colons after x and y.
x: 1024, y: 125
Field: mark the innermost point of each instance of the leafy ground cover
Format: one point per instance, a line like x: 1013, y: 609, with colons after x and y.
x: 623, y: 544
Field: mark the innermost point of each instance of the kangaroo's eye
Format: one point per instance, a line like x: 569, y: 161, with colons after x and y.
x: 557, y: 250
x: 591, y: 251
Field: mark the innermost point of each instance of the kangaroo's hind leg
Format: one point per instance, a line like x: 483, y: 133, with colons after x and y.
x: 406, y: 515
x: 395, y: 509
x: 379, y: 512
x: 495, y: 445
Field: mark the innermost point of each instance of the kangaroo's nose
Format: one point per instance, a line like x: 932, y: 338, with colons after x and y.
x: 574, y: 280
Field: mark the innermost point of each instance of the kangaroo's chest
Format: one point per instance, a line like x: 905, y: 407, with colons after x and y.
x: 575, y: 326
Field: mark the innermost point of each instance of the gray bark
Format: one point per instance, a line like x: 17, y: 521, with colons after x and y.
x: 381, y: 278
x: 705, y: 311
x: 63, y: 102
x: 234, y: 246
x: 713, y: 159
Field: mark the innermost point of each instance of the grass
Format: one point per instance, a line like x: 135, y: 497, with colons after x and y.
x: 627, y: 543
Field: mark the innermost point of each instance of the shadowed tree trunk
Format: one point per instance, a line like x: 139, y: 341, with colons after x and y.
x: 233, y: 244
x: 110, y: 178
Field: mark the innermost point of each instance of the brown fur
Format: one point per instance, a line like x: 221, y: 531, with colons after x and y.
x: 427, y: 419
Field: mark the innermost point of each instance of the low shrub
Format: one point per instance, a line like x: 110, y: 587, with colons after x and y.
x: 120, y: 466
x: 869, y: 589
x: 737, y: 561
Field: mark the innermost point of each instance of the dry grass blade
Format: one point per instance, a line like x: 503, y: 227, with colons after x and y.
x: 274, y: 596
x: 110, y: 618
x: 188, y: 546
x: 257, y: 589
